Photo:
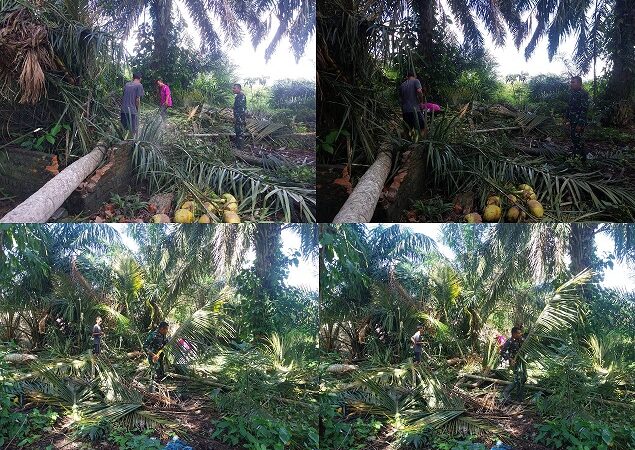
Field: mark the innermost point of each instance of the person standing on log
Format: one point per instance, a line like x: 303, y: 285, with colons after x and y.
x: 576, y: 117
x: 417, y: 340
x: 410, y: 96
x: 240, y: 113
x: 509, y: 351
x: 165, y: 97
x: 131, y: 104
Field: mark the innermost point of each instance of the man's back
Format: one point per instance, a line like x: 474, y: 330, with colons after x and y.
x: 131, y: 92
x: 408, y: 95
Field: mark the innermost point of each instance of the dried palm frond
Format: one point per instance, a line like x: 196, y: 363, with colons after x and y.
x: 25, y: 53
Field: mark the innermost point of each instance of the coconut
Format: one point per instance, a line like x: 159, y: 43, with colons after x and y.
x: 513, y: 214
x: 525, y: 187
x: 231, y: 217
x: 494, y: 200
x: 533, y: 196
x: 512, y: 199
x: 183, y: 216
x: 230, y: 203
x: 473, y: 218
x: 492, y: 213
x: 189, y: 205
x: 204, y: 219
x: 535, y: 208
x: 161, y: 218
x: 209, y: 207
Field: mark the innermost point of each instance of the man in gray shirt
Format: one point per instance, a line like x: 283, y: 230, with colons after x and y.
x: 131, y: 103
x: 410, y: 96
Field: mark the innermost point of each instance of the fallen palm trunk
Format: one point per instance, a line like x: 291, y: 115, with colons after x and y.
x: 360, y: 205
x: 19, y: 358
x: 249, y: 159
x: 494, y: 129
x: 545, y: 390
x: 39, y: 207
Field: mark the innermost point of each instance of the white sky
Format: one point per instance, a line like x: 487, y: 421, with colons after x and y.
x: 512, y: 61
x: 250, y: 62
x: 621, y: 276
x: 305, y: 275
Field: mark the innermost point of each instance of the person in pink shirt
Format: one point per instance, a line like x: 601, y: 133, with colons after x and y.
x: 429, y: 107
x: 166, y: 98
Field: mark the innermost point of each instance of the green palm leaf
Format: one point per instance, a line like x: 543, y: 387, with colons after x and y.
x: 555, y: 321
x: 207, y: 326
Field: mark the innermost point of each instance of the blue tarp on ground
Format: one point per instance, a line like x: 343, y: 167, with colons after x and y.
x: 177, y: 444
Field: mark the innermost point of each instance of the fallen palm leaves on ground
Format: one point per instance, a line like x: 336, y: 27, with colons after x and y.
x: 477, y: 155
x: 212, y: 183
x: 93, y: 394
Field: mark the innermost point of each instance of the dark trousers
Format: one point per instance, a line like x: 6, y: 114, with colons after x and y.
x: 576, y: 139
x: 163, y: 110
x: 158, y: 370
x: 520, y: 378
x: 239, y: 129
x: 130, y: 122
x: 413, y: 119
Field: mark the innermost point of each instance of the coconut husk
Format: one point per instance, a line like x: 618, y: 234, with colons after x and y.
x: 25, y: 54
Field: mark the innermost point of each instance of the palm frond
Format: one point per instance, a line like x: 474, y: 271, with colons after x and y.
x: 207, y: 326
x: 555, y: 321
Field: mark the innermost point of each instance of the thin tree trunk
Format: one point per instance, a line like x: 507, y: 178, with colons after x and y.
x: 40, y: 206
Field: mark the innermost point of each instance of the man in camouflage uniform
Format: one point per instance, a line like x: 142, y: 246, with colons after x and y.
x: 577, y: 115
x: 509, y: 351
x: 155, y: 341
x: 240, y: 112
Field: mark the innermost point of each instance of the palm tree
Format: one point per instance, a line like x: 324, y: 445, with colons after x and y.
x: 296, y: 21
x: 358, y: 282
x: 602, y: 26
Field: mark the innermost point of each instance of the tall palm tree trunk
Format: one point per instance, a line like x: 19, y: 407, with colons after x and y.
x: 621, y: 84
x: 582, y: 250
x: 267, y: 240
x: 425, y: 28
x: 161, y: 12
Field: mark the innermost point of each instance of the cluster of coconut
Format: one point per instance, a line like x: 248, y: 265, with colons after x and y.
x: 225, y: 206
x: 493, y: 210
